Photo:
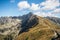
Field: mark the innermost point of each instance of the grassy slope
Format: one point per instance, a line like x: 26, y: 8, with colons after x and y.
x: 42, y: 31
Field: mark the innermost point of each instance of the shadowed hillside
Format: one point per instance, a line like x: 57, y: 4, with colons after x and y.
x: 44, y: 30
x: 28, y: 21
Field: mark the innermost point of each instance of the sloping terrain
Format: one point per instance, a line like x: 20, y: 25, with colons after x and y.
x: 29, y: 27
x: 44, y: 30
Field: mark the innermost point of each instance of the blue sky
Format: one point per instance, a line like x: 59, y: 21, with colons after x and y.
x: 38, y: 7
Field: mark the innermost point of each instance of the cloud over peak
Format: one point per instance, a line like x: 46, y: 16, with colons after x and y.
x: 42, y: 9
x: 23, y: 5
x: 35, y: 6
x: 50, y: 4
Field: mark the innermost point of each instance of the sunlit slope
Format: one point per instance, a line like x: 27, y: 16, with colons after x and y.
x: 44, y: 30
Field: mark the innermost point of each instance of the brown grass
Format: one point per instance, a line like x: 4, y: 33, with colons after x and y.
x: 43, y: 31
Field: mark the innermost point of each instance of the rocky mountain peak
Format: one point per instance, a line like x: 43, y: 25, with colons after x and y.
x: 29, y: 27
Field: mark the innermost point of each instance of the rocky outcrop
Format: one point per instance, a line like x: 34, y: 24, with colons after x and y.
x: 9, y: 26
x: 56, y: 38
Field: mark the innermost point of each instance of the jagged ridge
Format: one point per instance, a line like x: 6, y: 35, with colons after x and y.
x: 31, y: 27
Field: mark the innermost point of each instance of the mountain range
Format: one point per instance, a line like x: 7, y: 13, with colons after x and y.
x: 29, y: 27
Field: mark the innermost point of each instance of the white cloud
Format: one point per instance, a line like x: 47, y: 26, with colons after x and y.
x: 43, y: 14
x: 50, y: 4
x: 35, y: 6
x: 38, y: 9
x: 38, y: 13
x: 57, y: 11
x: 23, y: 5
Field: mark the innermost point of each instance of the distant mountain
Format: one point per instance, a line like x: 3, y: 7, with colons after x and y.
x: 29, y: 27
x: 54, y: 19
x: 9, y: 27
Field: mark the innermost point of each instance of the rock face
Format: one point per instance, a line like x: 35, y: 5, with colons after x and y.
x: 9, y: 26
x: 57, y: 38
